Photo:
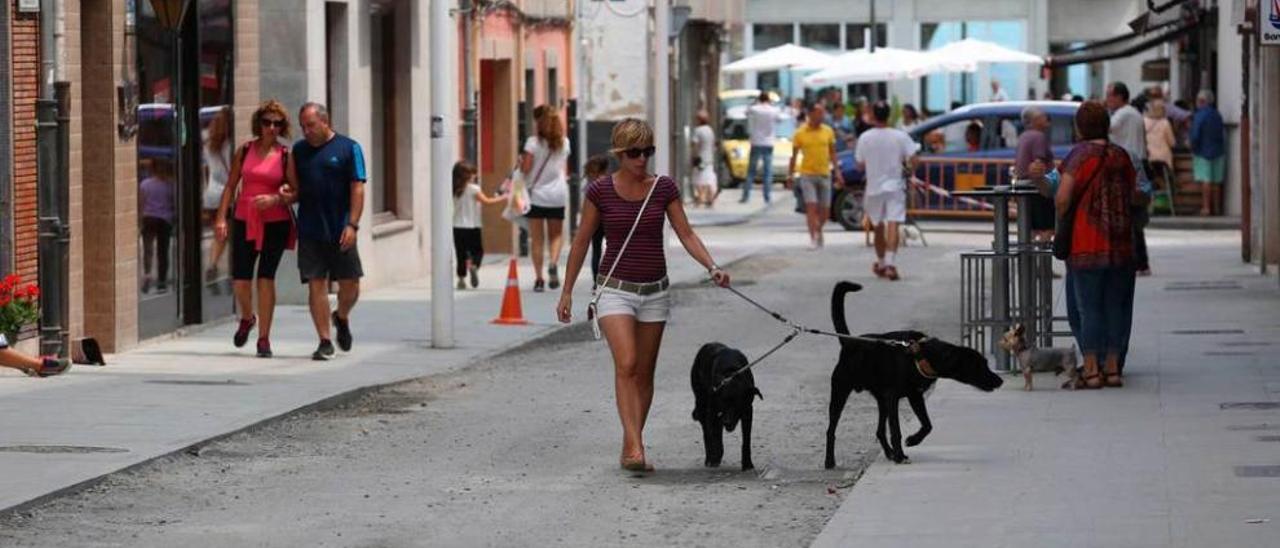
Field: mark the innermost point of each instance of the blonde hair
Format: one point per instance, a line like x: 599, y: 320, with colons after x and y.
x: 550, y: 129
x: 1155, y: 109
x: 632, y: 132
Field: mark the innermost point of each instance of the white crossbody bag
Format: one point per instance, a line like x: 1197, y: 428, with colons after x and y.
x: 595, y: 295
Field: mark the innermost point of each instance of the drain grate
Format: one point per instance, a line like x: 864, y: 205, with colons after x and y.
x: 1268, y: 438
x: 59, y: 449
x: 200, y: 383
x: 1244, y: 343
x: 1207, y: 332
x: 1253, y: 427
x: 1258, y: 471
x: 1206, y: 285
x: 1258, y: 405
x: 1229, y: 353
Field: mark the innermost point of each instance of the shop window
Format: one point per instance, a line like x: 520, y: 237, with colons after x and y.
x: 855, y: 35
x: 770, y: 35
x: 820, y: 36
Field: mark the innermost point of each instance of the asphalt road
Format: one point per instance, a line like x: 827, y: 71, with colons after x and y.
x: 522, y: 449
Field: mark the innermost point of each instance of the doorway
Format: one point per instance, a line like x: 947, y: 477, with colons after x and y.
x: 497, y: 146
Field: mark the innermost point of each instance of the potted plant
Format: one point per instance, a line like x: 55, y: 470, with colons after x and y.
x: 19, y: 306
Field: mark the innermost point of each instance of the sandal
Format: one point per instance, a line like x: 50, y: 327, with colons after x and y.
x: 1092, y: 382
x: 636, y: 465
x: 877, y: 269
x: 1113, y: 380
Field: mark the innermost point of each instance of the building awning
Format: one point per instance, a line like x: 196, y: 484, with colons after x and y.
x: 1127, y: 44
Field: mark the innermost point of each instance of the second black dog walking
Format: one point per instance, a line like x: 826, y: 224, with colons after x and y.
x: 891, y: 372
x: 720, y: 405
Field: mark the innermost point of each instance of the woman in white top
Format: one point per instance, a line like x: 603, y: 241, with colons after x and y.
x: 543, y: 163
x: 704, y: 160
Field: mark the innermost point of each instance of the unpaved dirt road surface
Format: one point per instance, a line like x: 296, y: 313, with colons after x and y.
x: 522, y: 449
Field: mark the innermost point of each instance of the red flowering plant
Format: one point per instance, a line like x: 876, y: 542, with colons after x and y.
x: 19, y: 305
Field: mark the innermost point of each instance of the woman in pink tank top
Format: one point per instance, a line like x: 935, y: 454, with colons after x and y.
x: 633, y: 303
x: 262, y: 227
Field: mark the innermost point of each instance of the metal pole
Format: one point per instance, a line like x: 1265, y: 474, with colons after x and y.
x: 871, y: 40
x: 1000, y: 280
x: 470, y: 150
x: 661, y: 86
x: 441, y: 195
x: 1026, y: 270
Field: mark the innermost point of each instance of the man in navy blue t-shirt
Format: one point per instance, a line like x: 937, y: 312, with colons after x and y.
x: 330, y: 198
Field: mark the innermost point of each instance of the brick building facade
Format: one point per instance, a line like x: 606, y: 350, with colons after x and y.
x: 24, y: 84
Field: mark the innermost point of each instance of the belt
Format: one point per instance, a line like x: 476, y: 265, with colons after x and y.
x: 641, y: 289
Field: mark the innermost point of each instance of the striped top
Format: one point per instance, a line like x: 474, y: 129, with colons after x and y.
x: 644, y: 260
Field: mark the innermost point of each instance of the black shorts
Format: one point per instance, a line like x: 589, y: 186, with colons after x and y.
x: 327, y: 261
x: 245, y: 256
x: 1043, y: 214
x: 539, y: 212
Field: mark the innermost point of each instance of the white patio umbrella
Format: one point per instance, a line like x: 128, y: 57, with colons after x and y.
x: 883, y: 65
x: 973, y: 51
x: 784, y: 57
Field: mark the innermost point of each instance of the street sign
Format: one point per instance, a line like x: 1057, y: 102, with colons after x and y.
x: 28, y: 6
x: 1269, y: 23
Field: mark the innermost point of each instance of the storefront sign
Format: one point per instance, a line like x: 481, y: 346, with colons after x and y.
x: 1269, y: 23
x: 28, y: 6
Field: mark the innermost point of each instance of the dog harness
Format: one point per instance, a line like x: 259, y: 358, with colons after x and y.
x: 922, y: 363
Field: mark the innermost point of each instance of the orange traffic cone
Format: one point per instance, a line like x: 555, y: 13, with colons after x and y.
x: 511, y: 312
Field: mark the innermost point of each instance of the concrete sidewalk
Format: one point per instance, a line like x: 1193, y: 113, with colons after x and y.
x: 728, y: 211
x: 1184, y: 455
x: 62, y: 432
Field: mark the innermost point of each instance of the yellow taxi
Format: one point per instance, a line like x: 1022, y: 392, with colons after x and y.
x: 735, y: 143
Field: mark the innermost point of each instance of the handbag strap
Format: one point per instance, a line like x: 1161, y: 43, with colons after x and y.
x: 538, y: 175
x: 623, y: 249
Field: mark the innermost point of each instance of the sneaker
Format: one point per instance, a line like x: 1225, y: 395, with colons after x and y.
x: 474, y: 271
x: 264, y: 348
x: 50, y: 366
x: 344, y: 331
x: 324, y: 352
x: 891, y: 272
x: 877, y: 269
x: 242, y: 332
x: 554, y: 275
x: 462, y: 283
x: 539, y: 286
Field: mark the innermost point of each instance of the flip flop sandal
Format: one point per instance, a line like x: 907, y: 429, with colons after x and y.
x: 636, y: 465
x: 1094, y: 377
x: 1113, y: 380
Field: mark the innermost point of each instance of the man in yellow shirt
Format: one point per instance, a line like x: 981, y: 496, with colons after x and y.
x: 816, y: 142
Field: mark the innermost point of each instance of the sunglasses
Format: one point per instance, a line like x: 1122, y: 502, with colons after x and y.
x: 636, y: 152
x: 274, y: 123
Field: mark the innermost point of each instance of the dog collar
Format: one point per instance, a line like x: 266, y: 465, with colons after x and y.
x: 925, y: 370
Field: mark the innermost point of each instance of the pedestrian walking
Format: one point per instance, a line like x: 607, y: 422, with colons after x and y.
x: 632, y: 305
x: 762, y: 119
x: 885, y: 155
x: 1033, y: 148
x: 704, y: 154
x: 156, y: 204
x: 468, y: 241
x: 1129, y: 131
x: 816, y: 141
x: 330, y: 196
x: 1099, y: 188
x: 597, y: 166
x: 1160, y: 142
x: 44, y: 366
x: 546, y: 155
x: 1208, y: 152
x: 910, y: 118
x: 842, y: 126
x: 262, y: 229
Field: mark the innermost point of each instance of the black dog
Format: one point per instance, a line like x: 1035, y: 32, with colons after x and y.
x: 719, y: 408
x: 892, y: 372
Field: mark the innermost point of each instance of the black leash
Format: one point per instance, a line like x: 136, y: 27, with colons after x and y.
x: 796, y: 329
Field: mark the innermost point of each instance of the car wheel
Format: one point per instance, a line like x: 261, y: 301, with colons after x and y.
x: 848, y: 209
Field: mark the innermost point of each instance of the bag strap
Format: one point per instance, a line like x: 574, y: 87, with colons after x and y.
x: 1075, y: 200
x: 538, y: 175
x: 617, y: 259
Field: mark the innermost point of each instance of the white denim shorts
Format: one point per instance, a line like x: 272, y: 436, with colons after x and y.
x: 885, y: 207
x: 648, y: 308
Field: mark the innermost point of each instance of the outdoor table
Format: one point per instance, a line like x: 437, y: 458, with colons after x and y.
x: 999, y: 197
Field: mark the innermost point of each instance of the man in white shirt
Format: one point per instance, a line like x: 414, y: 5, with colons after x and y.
x: 997, y: 93
x: 1129, y: 131
x: 762, y: 118
x: 882, y: 154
